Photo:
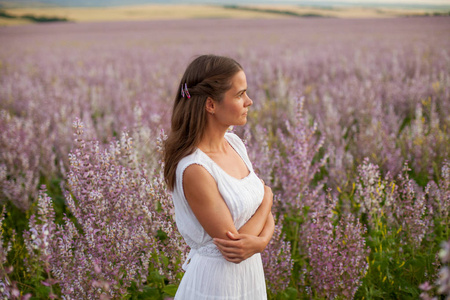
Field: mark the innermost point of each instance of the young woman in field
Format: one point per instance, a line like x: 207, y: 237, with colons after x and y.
x: 222, y: 209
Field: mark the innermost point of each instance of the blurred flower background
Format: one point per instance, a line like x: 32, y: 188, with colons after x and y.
x: 349, y: 126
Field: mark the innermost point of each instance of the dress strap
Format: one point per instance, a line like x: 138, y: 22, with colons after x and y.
x: 238, y: 145
x: 193, y: 159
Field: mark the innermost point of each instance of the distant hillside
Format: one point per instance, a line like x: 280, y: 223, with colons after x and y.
x: 435, y: 5
x: 27, y: 11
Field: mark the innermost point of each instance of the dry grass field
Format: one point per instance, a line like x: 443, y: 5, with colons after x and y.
x: 159, y: 12
x: 138, y: 12
x: 347, y: 12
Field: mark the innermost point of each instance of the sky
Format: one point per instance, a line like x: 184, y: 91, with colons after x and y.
x: 435, y: 2
x: 242, y: 2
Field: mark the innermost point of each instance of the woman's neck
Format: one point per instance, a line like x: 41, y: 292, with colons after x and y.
x: 213, y: 140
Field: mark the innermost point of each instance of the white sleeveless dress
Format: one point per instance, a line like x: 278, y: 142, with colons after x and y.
x: 208, y: 275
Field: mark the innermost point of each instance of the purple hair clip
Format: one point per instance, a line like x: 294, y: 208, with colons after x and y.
x: 184, y: 91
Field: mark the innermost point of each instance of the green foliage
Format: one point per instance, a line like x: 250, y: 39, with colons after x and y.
x: 15, y: 222
x: 37, y: 19
x: 147, y: 292
x: 4, y: 14
x: 289, y: 294
x: 156, y: 288
x: 396, y: 269
x: 273, y: 11
x: 42, y: 19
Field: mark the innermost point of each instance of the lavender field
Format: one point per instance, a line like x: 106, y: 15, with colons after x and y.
x: 349, y: 126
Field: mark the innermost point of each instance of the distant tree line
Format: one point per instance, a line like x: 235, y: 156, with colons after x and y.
x: 439, y: 14
x: 296, y: 14
x: 33, y: 18
x: 273, y: 11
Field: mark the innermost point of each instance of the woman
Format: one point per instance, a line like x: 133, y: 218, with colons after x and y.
x: 222, y: 208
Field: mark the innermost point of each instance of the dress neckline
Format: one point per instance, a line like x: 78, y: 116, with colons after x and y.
x: 222, y: 170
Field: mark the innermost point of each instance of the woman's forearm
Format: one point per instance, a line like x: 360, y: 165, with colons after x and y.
x: 267, y: 232
x: 253, y: 236
x: 257, y: 222
x: 255, y: 225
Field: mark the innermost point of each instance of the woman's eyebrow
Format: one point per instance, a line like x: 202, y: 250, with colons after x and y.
x: 241, y: 91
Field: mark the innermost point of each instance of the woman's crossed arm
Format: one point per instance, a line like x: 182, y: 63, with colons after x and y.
x: 208, y: 206
x: 254, y: 236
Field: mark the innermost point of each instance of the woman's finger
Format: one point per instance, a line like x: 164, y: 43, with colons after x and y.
x: 227, y: 243
x: 235, y: 260
x: 234, y: 246
x: 221, y: 242
x: 235, y: 257
x: 232, y: 256
x: 230, y: 250
x: 235, y: 254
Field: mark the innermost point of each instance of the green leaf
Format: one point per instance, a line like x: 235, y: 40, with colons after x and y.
x: 291, y: 293
x: 170, y: 289
x: 150, y: 293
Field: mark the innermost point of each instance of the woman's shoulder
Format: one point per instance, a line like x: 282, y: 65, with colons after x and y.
x: 234, y: 138
x: 236, y: 142
x: 195, y: 158
x: 189, y: 159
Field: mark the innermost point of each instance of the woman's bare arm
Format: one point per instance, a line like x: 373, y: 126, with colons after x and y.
x: 211, y: 211
x: 258, y: 221
x: 266, y: 234
x: 202, y: 194
x: 250, y: 240
x: 242, y: 246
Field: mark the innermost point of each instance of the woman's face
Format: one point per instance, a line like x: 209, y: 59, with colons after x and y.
x: 232, y: 110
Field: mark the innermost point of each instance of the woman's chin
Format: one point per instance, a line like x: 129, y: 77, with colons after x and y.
x: 242, y: 123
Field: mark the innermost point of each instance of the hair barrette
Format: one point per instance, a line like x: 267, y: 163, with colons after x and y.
x: 184, y: 91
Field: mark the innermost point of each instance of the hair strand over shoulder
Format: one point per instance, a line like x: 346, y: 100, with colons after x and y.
x: 206, y: 76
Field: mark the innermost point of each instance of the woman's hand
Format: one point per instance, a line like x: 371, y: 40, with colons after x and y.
x: 240, y: 246
x: 253, y: 237
x: 268, y: 194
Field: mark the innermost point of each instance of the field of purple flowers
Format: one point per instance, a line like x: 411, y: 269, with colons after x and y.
x: 349, y: 126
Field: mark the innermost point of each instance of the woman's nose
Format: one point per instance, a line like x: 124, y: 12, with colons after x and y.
x: 248, y: 101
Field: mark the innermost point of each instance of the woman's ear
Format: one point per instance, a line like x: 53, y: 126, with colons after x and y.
x: 210, y: 105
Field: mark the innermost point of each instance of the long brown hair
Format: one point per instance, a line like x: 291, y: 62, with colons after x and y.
x: 206, y: 76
